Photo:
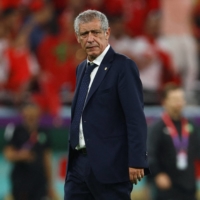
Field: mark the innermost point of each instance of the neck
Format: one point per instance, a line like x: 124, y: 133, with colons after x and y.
x: 31, y: 127
x: 175, y: 116
x: 91, y: 58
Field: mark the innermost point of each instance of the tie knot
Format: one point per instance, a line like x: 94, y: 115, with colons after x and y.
x: 90, y: 67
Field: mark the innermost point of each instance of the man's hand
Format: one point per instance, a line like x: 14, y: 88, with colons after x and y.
x: 25, y: 155
x: 163, y: 181
x: 15, y: 155
x: 135, y: 174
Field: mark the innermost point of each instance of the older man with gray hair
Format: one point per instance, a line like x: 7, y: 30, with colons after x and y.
x: 107, y: 144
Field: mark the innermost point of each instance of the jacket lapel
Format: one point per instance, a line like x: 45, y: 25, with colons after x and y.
x: 80, y: 73
x: 103, y: 69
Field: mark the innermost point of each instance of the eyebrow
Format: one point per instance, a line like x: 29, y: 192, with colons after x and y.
x: 85, y: 32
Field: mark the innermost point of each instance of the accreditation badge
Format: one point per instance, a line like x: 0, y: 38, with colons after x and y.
x: 181, y: 160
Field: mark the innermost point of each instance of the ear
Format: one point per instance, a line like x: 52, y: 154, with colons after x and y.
x: 107, y: 33
x: 77, y: 38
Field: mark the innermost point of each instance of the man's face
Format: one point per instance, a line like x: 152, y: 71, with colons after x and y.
x: 31, y: 115
x: 92, y: 38
x: 175, y: 102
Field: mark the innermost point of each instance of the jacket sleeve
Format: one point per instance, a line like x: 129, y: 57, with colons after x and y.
x: 153, y: 146
x: 131, y: 98
x: 196, y: 134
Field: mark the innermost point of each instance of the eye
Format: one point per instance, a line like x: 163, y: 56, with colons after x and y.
x: 85, y: 34
x: 96, y: 33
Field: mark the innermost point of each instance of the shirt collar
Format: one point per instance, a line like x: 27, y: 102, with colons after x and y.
x: 99, y: 59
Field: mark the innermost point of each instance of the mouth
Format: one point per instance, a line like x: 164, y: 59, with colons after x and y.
x: 92, y: 47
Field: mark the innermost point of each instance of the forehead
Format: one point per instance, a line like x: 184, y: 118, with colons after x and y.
x: 95, y: 24
x: 175, y: 93
x: 30, y: 109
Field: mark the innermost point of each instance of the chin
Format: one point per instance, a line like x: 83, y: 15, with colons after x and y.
x: 93, y: 55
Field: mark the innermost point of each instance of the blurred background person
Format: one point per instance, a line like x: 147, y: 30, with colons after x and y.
x: 196, y: 28
x: 3, y: 61
x: 119, y: 39
x: 58, y: 55
x: 22, y: 68
x: 9, y: 27
x: 154, y: 63
x: 19, y: 65
x: 135, y: 13
x: 28, y: 148
x: 173, y: 146
x: 178, y: 38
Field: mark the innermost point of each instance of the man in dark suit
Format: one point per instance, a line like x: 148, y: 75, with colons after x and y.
x: 108, y: 128
x: 173, y: 143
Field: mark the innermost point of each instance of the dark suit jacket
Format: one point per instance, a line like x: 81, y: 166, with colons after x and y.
x: 162, y: 157
x: 114, y: 124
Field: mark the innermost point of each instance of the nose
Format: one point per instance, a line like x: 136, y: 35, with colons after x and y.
x: 90, y: 37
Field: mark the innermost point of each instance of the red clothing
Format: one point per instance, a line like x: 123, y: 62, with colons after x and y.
x: 153, y: 5
x: 168, y: 73
x: 197, y: 167
x: 35, y: 5
x: 4, y: 4
x: 196, y: 28
x: 60, y: 4
x: 57, y: 59
x: 135, y: 15
x: 113, y: 7
x: 154, y: 63
x: 19, y: 68
x: 135, y: 12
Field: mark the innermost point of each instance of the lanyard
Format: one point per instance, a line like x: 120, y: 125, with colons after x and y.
x: 180, y: 144
x: 31, y: 141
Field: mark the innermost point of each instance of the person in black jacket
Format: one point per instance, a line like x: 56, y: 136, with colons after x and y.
x: 173, y: 145
x: 28, y: 149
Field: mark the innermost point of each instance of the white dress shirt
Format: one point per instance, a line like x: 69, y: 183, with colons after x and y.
x: 97, y: 61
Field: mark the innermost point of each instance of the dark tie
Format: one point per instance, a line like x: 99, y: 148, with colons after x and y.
x: 82, y: 93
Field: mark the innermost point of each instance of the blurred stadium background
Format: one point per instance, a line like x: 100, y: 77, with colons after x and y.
x: 39, y: 55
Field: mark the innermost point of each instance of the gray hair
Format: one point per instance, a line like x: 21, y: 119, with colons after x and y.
x: 88, y: 16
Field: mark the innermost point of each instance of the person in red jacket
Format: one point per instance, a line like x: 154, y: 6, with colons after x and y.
x: 22, y: 67
x: 58, y: 56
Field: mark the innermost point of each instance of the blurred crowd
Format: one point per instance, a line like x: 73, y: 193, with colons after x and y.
x: 39, y: 52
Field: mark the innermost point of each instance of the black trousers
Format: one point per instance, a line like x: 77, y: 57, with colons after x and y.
x: 81, y: 184
x: 28, y: 185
